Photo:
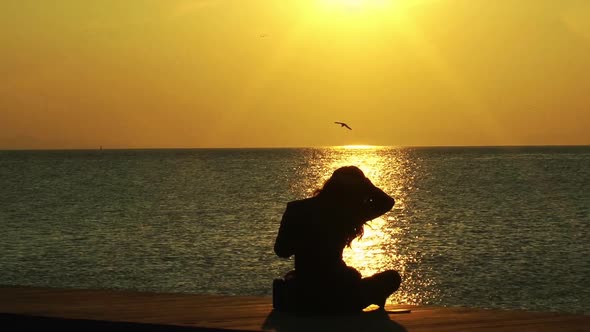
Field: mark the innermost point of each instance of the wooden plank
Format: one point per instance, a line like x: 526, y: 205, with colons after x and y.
x: 153, y: 311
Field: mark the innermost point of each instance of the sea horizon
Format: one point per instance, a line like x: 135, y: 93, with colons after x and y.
x: 351, y: 146
x: 478, y: 226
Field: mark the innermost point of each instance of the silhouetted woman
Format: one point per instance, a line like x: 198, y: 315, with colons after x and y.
x: 316, y: 230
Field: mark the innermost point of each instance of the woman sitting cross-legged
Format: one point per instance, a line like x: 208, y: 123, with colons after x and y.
x: 316, y: 230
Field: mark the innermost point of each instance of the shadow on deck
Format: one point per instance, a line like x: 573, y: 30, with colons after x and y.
x: 377, y: 320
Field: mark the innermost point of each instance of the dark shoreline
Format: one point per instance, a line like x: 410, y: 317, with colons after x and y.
x: 26, y: 308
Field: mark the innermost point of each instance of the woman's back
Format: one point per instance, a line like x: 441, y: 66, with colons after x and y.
x: 306, y: 233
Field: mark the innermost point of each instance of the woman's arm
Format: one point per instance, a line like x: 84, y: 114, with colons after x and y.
x: 285, y: 241
x: 375, y: 203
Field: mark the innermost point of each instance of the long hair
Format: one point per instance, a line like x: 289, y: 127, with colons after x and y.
x: 342, y: 194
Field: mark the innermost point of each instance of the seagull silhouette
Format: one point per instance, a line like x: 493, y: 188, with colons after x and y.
x: 342, y: 124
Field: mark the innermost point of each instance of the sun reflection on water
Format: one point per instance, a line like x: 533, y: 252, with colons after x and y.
x: 381, y: 246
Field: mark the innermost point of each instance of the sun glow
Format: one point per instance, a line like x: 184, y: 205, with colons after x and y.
x: 344, y: 16
x: 357, y: 4
x: 358, y: 147
x: 348, y: 3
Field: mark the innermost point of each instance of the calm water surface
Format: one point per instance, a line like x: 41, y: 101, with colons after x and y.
x: 482, y: 227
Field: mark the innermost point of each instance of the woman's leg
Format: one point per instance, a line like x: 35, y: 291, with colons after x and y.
x: 378, y: 287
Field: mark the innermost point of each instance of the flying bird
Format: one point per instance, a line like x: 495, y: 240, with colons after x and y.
x: 342, y: 124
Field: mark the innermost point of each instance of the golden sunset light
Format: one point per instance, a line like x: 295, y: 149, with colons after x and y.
x: 295, y: 165
x: 273, y: 73
x: 362, y: 5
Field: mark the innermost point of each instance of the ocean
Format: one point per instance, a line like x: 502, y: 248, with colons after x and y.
x: 493, y: 227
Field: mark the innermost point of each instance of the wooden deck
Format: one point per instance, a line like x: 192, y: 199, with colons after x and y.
x: 42, y: 308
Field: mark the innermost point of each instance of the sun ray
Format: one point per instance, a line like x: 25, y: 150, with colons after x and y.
x: 357, y: 4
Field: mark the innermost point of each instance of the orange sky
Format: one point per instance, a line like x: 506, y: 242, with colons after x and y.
x: 276, y: 73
